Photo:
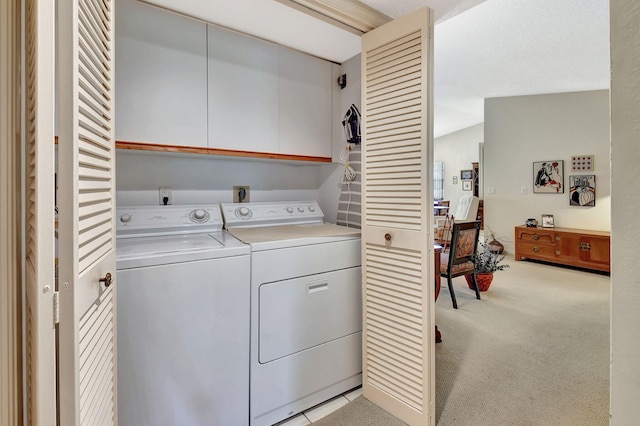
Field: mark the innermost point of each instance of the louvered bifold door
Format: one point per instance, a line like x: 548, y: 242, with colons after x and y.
x: 39, y: 104
x: 87, y: 354
x: 398, y: 277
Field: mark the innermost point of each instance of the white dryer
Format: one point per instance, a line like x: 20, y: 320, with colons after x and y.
x: 183, y: 318
x: 306, y: 313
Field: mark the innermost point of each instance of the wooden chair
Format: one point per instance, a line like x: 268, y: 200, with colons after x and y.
x: 441, y: 208
x: 443, y: 233
x: 458, y: 260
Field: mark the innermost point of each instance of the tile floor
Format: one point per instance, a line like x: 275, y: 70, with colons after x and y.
x: 319, y: 411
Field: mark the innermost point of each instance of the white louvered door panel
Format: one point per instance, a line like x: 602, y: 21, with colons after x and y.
x: 39, y: 211
x: 398, y: 276
x: 87, y: 352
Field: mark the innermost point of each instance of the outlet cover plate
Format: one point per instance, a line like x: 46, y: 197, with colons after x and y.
x: 236, y: 193
x: 165, y: 191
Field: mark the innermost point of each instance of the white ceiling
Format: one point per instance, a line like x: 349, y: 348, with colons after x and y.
x: 482, y: 48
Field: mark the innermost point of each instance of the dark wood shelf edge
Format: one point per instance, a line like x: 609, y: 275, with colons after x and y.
x: 154, y: 147
x: 214, y: 151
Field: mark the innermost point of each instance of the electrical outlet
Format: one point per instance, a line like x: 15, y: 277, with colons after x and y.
x: 241, y: 193
x: 165, y: 196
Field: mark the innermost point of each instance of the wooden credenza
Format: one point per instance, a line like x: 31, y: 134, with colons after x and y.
x: 566, y: 246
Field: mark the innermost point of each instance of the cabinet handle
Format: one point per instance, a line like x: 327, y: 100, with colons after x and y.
x: 557, y: 238
x: 557, y: 252
x: 536, y: 237
x: 536, y: 249
x: 387, y: 237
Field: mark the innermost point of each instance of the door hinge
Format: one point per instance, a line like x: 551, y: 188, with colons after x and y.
x: 56, y: 307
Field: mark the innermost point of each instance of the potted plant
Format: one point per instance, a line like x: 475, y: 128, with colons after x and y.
x: 486, y: 263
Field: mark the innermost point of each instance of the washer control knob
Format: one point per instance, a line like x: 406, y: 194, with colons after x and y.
x: 289, y: 210
x: 125, y: 218
x: 301, y: 209
x: 199, y: 216
x: 312, y: 209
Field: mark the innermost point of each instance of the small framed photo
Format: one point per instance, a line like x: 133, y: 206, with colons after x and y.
x: 466, y: 174
x: 547, y: 221
x: 466, y: 185
x: 548, y: 177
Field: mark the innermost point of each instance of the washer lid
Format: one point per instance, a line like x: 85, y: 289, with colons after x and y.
x: 165, y: 249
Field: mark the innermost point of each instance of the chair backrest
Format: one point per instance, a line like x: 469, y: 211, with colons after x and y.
x: 464, y: 242
x: 445, y: 235
x: 442, y: 208
x: 467, y: 209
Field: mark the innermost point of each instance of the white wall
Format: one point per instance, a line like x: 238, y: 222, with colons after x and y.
x: 625, y: 202
x: 207, y: 179
x: 523, y: 129
x: 329, y: 191
x: 458, y: 150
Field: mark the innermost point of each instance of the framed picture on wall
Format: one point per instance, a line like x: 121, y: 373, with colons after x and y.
x: 466, y: 185
x: 466, y: 174
x: 548, y: 177
x: 582, y: 190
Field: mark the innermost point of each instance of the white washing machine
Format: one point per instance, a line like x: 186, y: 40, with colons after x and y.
x: 306, y: 306
x: 183, y: 318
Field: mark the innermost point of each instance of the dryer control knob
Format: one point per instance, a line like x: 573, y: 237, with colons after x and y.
x: 301, y: 209
x: 289, y: 210
x: 125, y: 218
x: 243, y: 213
x: 312, y: 209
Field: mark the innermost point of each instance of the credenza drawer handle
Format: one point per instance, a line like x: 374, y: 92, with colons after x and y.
x: 536, y: 249
x: 557, y: 252
x: 536, y: 237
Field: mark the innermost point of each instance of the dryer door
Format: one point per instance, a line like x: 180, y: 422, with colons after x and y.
x: 301, y: 313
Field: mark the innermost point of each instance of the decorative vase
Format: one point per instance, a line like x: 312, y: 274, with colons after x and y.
x: 483, y: 279
x: 495, y: 246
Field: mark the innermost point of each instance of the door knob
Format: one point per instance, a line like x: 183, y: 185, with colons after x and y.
x: 106, y: 280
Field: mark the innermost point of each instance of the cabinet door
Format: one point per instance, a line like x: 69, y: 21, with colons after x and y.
x: 585, y: 250
x: 596, y: 251
x: 161, y: 77
x: 304, y: 104
x: 243, y: 92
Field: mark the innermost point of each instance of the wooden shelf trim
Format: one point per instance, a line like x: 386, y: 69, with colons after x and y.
x: 137, y: 146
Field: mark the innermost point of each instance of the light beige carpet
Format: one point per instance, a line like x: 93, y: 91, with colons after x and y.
x: 534, y: 351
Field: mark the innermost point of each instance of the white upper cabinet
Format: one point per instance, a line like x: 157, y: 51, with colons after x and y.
x: 243, y: 92
x: 185, y: 83
x: 161, y: 77
x: 304, y: 104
